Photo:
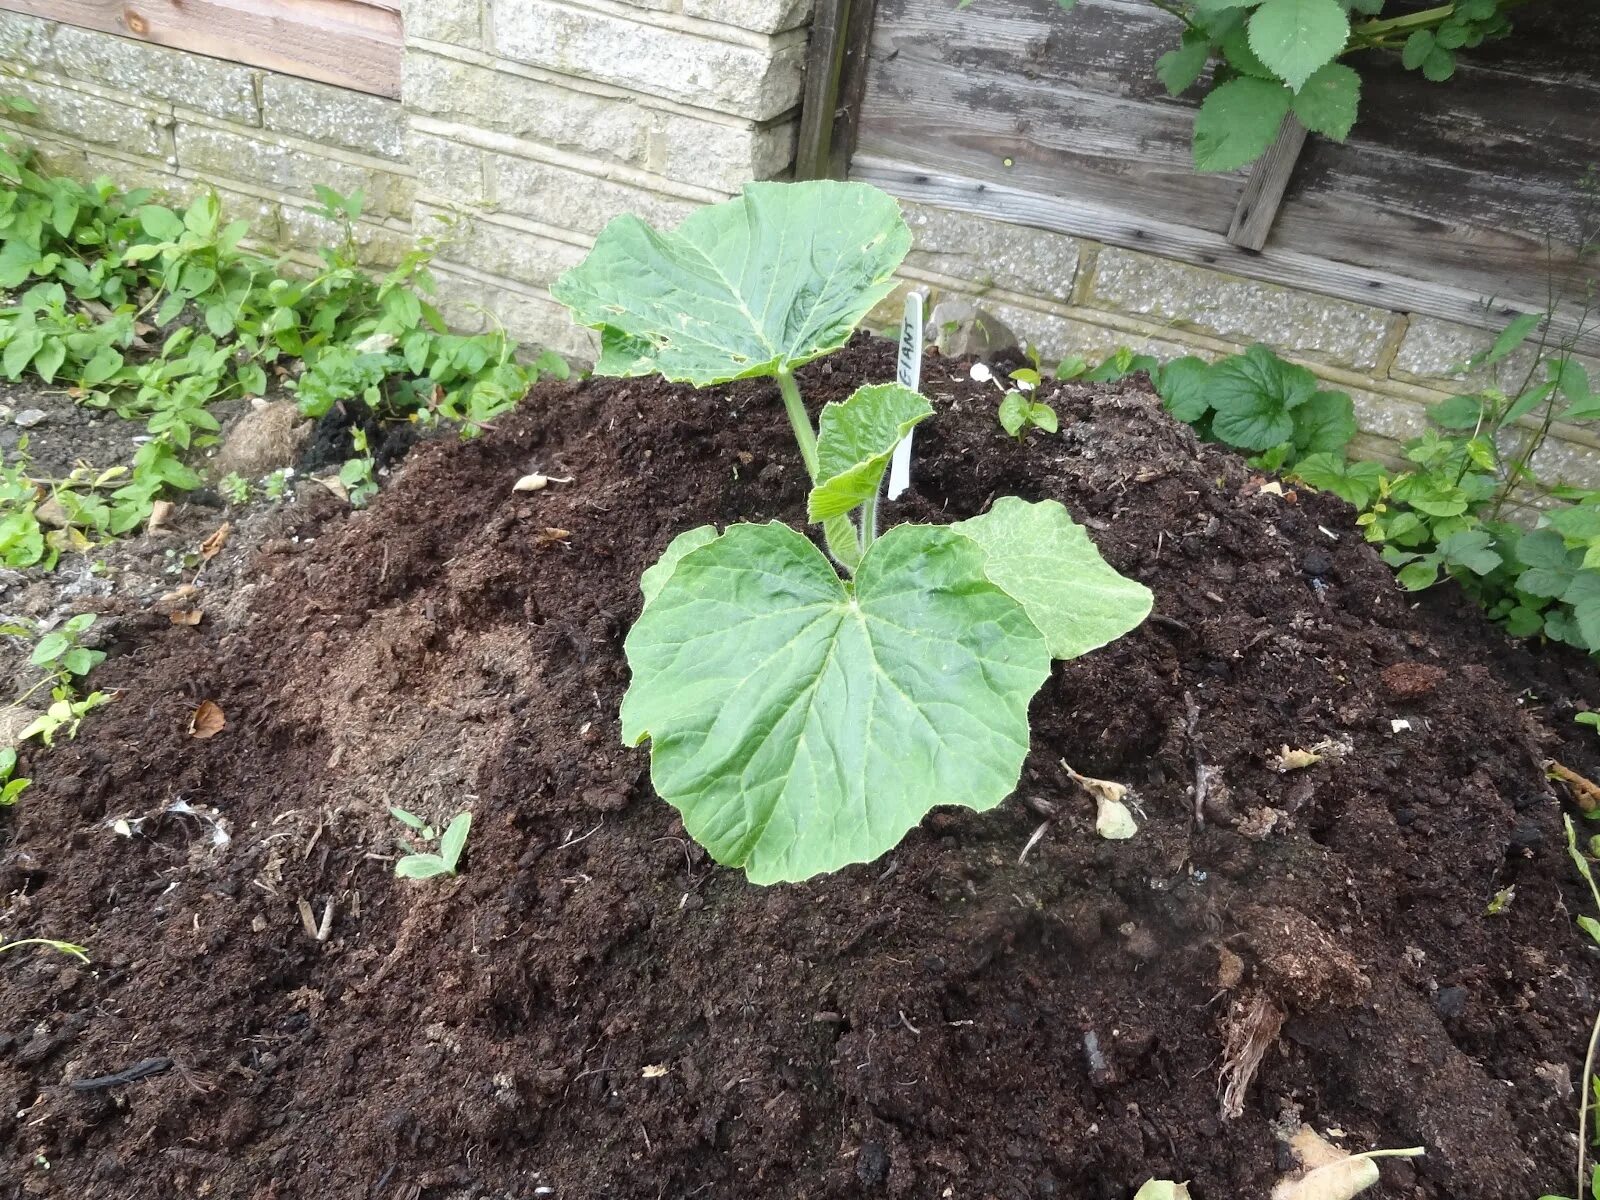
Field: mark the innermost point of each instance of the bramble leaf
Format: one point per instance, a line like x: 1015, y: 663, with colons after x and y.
x: 1328, y: 102
x: 855, y: 440
x: 743, y: 289
x: 1295, y: 37
x: 800, y: 723
x: 1046, y: 561
x: 1180, y: 69
x: 1237, y: 121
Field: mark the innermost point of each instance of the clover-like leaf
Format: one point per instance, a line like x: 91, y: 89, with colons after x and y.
x: 758, y: 284
x: 1295, y: 37
x: 800, y: 723
x: 855, y: 440
x: 1046, y: 561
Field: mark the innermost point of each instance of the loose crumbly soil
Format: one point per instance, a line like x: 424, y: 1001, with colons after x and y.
x: 593, y: 1009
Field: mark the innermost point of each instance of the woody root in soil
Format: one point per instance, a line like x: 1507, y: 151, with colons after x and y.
x: 804, y: 714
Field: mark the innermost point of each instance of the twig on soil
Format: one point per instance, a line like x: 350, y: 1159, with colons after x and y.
x: 908, y: 1024
x: 139, y: 1070
x: 1032, y: 842
x: 1202, y: 773
x: 573, y: 841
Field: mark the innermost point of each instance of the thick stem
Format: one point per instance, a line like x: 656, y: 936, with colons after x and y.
x: 869, y: 522
x: 1583, y: 1099
x: 803, y: 433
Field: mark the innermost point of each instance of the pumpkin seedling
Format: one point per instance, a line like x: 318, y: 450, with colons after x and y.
x: 1018, y: 414
x: 805, y: 714
x: 425, y: 864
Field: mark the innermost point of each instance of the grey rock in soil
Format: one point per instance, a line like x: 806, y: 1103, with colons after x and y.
x: 29, y: 418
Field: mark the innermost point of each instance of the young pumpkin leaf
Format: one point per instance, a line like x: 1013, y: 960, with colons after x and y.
x: 421, y: 866
x: 800, y: 723
x: 654, y: 577
x: 1039, y: 556
x: 855, y: 440
x: 747, y: 288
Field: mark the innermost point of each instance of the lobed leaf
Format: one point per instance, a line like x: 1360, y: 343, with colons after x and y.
x: 800, y: 723
x: 755, y: 285
x: 1039, y: 556
x: 855, y: 440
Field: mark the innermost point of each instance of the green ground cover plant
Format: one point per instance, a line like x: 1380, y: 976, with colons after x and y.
x: 803, y: 713
x: 156, y: 313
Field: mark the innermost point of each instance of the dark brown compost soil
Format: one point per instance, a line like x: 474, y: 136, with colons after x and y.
x: 592, y: 1009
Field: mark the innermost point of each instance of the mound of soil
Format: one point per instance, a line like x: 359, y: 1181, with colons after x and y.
x: 1005, y: 1006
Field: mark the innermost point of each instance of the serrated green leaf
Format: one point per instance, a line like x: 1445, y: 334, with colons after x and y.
x: 1579, y: 523
x: 1471, y: 550
x: 1439, y: 65
x: 1458, y: 412
x: 1295, y: 37
x: 160, y: 223
x: 1184, y: 387
x: 454, y: 840
x: 1254, y: 395
x: 799, y: 723
x: 1046, y: 561
x: 742, y: 289
x: 1180, y: 69
x: 1326, y: 422
x: 1354, y: 482
x: 1419, y: 575
x: 1328, y: 102
x: 1416, y: 50
x: 1517, y: 331
x: 1237, y: 121
x: 1583, y: 594
x: 855, y: 440
x: 654, y: 577
x: 1551, y: 567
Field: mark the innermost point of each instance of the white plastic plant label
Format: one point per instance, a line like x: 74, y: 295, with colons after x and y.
x: 908, y: 375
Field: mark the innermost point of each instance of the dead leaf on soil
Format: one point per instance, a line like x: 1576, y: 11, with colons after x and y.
x: 186, y: 616
x: 1287, y: 759
x: 549, y: 536
x: 1585, y: 794
x: 1162, y: 1189
x: 1230, y: 969
x: 655, y: 1070
x: 334, y: 485
x: 182, y: 592
x: 207, y: 720
x: 213, y: 545
x: 1328, y: 1173
x: 160, y: 513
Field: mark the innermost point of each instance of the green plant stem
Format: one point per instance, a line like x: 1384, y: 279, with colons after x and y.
x: 869, y: 522
x: 799, y: 421
x: 1583, y: 1097
x: 1176, y: 11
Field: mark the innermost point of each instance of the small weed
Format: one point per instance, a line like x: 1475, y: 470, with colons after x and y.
x: 235, y: 487
x: 68, y: 948
x: 62, y: 654
x: 10, y: 788
x: 426, y: 864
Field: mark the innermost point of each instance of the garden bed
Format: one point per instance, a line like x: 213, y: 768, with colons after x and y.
x: 990, y: 1010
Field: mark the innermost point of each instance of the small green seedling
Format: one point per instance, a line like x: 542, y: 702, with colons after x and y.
x: 1591, y: 719
x: 10, y: 788
x: 62, y: 653
x: 423, y: 864
x: 68, y: 948
x: 66, y: 713
x: 1018, y: 414
x: 235, y: 487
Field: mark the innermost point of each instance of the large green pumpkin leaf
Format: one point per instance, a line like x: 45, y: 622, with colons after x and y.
x: 654, y: 577
x: 1295, y: 37
x: 800, y: 723
x: 855, y: 440
x: 762, y: 283
x: 1045, y: 561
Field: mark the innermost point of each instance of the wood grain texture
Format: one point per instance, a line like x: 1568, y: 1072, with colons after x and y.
x: 1263, y: 191
x: 353, y: 43
x: 1277, y: 263
x: 1467, y: 189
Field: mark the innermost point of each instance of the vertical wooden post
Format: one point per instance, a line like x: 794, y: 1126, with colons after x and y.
x: 1263, y: 191
x: 836, y: 80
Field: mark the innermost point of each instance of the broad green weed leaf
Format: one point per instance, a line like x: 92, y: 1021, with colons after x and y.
x: 691, y: 539
x: 161, y: 223
x: 1328, y: 102
x: 762, y: 283
x: 800, y: 723
x: 1183, y: 385
x: 1551, y: 567
x: 1180, y: 69
x: 1255, y: 395
x: 1237, y: 121
x: 1326, y: 422
x: 1513, y: 335
x: 1295, y: 37
x: 855, y: 440
x: 1354, y: 482
x: 1044, y: 560
x: 1583, y: 594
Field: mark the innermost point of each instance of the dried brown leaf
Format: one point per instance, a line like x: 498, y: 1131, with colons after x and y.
x: 185, y: 616
x: 1585, y: 794
x: 160, y: 513
x: 213, y: 545
x: 207, y: 720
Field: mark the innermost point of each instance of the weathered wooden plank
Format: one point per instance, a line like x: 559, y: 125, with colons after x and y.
x: 1263, y: 191
x: 820, y: 100
x: 352, y: 44
x: 1283, y: 264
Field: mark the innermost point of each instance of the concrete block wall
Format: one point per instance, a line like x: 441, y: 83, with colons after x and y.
x: 146, y: 116
x: 1066, y: 295
x: 525, y: 125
